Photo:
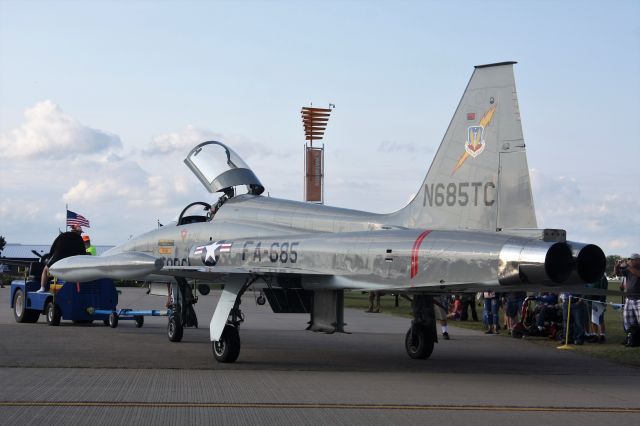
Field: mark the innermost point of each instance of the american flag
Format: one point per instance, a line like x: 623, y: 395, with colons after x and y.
x: 76, y: 219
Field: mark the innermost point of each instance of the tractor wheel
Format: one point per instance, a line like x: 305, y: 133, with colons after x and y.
x: 53, y: 314
x: 139, y: 321
x: 113, y: 320
x: 20, y: 312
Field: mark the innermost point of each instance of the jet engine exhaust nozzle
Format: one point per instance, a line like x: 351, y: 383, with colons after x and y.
x: 556, y: 267
x: 535, y: 262
x: 590, y: 262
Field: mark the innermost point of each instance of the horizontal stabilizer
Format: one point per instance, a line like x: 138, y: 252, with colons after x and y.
x: 125, y: 266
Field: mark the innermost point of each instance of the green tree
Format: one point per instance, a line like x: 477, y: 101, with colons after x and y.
x: 3, y: 242
x: 611, y: 262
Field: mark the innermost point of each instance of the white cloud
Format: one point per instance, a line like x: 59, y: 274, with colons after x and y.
x: 125, y: 184
x: 598, y: 214
x: 181, y: 143
x: 169, y: 143
x: 49, y: 133
x: 408, y: 147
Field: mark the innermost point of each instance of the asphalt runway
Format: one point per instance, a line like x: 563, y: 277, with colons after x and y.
x: 92, y: 374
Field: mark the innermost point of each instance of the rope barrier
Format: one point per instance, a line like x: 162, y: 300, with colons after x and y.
x: 614, y: 305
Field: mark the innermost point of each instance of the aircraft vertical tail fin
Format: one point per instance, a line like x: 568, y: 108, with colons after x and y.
x: 479, y: 178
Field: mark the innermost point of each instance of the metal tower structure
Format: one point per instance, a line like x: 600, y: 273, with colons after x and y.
x: 315, y: 123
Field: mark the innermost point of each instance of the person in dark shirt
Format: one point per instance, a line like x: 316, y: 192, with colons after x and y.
x: 630, y: 270
x: 65, y: 245
x: 468, y: 302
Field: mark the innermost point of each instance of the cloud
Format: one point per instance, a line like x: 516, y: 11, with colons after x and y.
x: 49, y: 133
x: 589, y: 212
x: 125, y: 184
x: 181, y: 143
x: 409, y: 147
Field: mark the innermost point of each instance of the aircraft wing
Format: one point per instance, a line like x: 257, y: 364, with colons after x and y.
x: 223, y: 273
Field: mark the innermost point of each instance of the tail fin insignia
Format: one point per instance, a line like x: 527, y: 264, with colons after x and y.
x: 475, y: 141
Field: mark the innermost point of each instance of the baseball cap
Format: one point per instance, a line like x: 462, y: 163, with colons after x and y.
x: 634, y: 256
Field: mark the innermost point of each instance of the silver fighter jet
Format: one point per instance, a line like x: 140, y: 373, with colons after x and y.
x: 471, y: 227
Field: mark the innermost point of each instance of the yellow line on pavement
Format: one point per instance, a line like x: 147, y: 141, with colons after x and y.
x: 494, y: 408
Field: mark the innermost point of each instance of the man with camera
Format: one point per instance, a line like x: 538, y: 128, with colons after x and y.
x: 629, y: 269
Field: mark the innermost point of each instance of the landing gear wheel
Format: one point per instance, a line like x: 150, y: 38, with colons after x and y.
x: 174, y: 329
x: 227, y: 349
x: 419, y: 342
x: 113, y: 320
x: 20, y: 313
x: 53, y: 314
x: 139, y: 321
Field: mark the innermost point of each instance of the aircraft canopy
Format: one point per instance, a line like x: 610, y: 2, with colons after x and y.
x: 218, y: 167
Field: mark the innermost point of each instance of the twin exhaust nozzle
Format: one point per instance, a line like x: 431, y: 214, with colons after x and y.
x: 552, y: 264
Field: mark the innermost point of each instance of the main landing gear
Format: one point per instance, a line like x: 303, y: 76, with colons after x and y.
x: 422, y: 335
x: 225, y: 324
x: 227, y: 348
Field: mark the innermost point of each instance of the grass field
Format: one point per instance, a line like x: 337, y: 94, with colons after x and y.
x: 611, y: 350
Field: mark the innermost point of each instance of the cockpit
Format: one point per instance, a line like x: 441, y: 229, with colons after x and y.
x: 219, y: 169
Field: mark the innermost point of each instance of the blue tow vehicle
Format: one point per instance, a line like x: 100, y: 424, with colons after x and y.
x: 65, y: 300
x: 78, y: 302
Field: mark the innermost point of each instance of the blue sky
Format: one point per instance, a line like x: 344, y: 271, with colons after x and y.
x: 90, y: 90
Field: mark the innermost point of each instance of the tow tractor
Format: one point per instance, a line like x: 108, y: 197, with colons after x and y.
x: 64, y: 300
x: 81, y: 303
x: 94, y: 300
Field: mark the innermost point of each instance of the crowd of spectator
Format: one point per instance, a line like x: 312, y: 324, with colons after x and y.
x: 573, y: 318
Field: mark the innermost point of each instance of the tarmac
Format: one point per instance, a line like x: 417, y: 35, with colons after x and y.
x: 92, y: 374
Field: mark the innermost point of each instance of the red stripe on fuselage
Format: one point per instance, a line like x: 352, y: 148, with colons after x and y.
x: 414, y: 252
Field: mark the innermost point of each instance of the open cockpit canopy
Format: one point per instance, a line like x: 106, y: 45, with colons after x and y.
x: 220, y: 169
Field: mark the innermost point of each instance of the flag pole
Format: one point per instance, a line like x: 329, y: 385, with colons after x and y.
x: 66, y: 212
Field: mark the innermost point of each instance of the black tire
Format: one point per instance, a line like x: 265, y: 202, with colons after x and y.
x: 204, y: 289
x: 419, y: 342
x: 20, y: 312
x: 113, y: 320
x: 227, y: 349
x: 175, y: 329
x: 261, y: 300
x: 139, y: 321
x: 52, y: 313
